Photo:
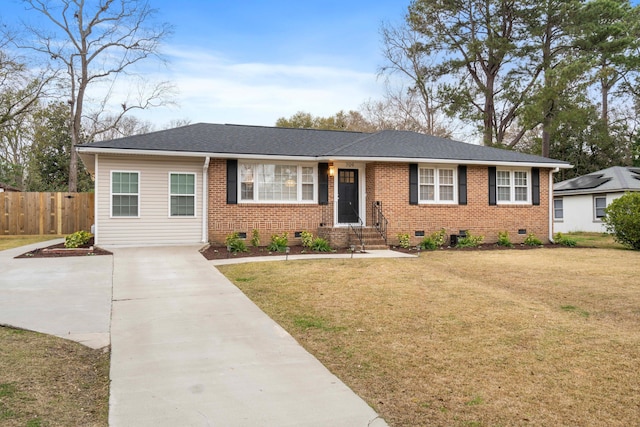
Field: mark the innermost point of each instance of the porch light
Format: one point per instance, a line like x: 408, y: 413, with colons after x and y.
x: 331, y: 171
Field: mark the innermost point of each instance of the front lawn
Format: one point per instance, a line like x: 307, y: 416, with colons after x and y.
x: 10, y: 242
x: 49, y: 381
x: 480, y: 338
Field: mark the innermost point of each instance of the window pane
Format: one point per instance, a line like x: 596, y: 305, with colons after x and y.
x: 427, y: 192
x: 246, y: 191
x: 504, y: 194
x: 182, y: 183
x: 503, y: 178
x: 558, y: 209
x: 307, y: 191
x: 182, y: 206
x: 445, y: 176
x: 600, y: 204
x: 125, y: 205
x: 521, y: 194
x: 446, y: 192
x: 520, y: 179
x: 427, y: 176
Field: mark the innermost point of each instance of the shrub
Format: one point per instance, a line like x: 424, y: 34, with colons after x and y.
x: 404, y: 240
x: 532, y: 240
x: 563, y: 240
x: 503, y: 239
x: 77, y: 239
x: 255, y: 238
x: 307, y: 239
x: 320, y: 245
x: 234, y: 243
x: 469, y: 241
x: 278, y: 242
x: 622, y: 219
x: 434, y: 240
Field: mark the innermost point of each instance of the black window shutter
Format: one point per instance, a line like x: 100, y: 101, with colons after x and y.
x: 492, y: 186
x: 323, y: 183
x: 535, y: 186
x: 232, y: 182
x: 462, y: 185
x: 413, y: 184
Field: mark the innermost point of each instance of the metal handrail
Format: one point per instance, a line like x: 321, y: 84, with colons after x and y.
x: 378, y: 219
x: 359, y: 230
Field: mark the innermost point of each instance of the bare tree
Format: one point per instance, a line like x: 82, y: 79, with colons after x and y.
x: 95, y: 42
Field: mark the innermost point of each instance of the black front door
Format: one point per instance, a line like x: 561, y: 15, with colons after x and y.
x: 348, y: 196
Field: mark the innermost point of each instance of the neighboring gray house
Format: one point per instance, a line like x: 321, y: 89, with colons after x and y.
x: 579, y: 203
x: 6, y: 187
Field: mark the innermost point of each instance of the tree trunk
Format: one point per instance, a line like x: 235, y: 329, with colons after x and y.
x: 487, y: 131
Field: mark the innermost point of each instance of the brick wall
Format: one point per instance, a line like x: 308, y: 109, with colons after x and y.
x: 268, y: 219
x: 389, y: 183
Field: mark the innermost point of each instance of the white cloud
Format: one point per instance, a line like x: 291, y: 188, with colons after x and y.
x: 213, y: 88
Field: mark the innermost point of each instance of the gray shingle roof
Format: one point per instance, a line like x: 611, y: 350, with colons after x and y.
x: 272, y: 141
x: 610, y: 180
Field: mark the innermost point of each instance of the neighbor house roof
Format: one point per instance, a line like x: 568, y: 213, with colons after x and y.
x: 7, y: 187
x: 612, y: 180
x: 241, y: 141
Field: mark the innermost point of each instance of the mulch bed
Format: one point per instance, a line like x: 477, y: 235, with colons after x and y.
x: 58, y: 251
x: 220, y: 252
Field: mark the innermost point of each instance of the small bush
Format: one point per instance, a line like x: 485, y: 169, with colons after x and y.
x: 77, y: 239
x: 434, y: 240
x: 622, y: 219
x: 470, y: 241
x: 234, y: 243
x: 404, y: 240
x: 255, y: 238
x: 503, y: 239
x: 320, y: 245
x: 563, y: 240
x: 278, y: 242
x: 532, y: 240
x: 307, y: 239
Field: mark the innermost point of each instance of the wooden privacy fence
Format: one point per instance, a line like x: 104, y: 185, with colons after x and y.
x: 45, y: 213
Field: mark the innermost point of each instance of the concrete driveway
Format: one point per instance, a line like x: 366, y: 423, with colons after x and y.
x: 67, y: 297
x: 189, y: 349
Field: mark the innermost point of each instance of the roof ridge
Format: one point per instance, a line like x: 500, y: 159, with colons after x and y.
x: 290, y: 128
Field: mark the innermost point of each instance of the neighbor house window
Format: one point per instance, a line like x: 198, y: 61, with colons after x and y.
x: 182, y: 194
x: 125, y: 194
x: 512, y: 186
x: 558, y: 209
x: 288, y: 183
x: 599, y: 204
x: 437, y: 185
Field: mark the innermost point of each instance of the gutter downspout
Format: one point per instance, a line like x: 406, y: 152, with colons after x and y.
x: 205, y: 200
x: 556, y: 170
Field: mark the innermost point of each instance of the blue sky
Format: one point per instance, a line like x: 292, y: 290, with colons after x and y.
x: 252, y: 62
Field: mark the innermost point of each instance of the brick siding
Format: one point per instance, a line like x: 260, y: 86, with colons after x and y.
x: 389, y: 184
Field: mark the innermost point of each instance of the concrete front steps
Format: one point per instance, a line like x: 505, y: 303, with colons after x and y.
x: 371, y: 237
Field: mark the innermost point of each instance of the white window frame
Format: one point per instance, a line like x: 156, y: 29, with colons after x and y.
x: 111, y: 194
x: 436, y: 184
x: 299, y: 183
x: 555, y: 218
x: 512, y: 187
x: 194, y: 195
x: 597, y: 218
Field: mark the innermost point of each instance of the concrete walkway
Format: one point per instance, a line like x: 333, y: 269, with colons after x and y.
x: 189, y: 349
x: 67, y: 297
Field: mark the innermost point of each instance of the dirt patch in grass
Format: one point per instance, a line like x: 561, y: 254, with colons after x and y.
x: 457, y: 338
x: 48, y: 381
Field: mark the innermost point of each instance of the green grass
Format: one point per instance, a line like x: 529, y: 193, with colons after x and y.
x: 595, y: 240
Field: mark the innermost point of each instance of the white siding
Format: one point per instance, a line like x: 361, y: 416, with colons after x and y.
x: 154, y: 226
x: 579, y: 214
